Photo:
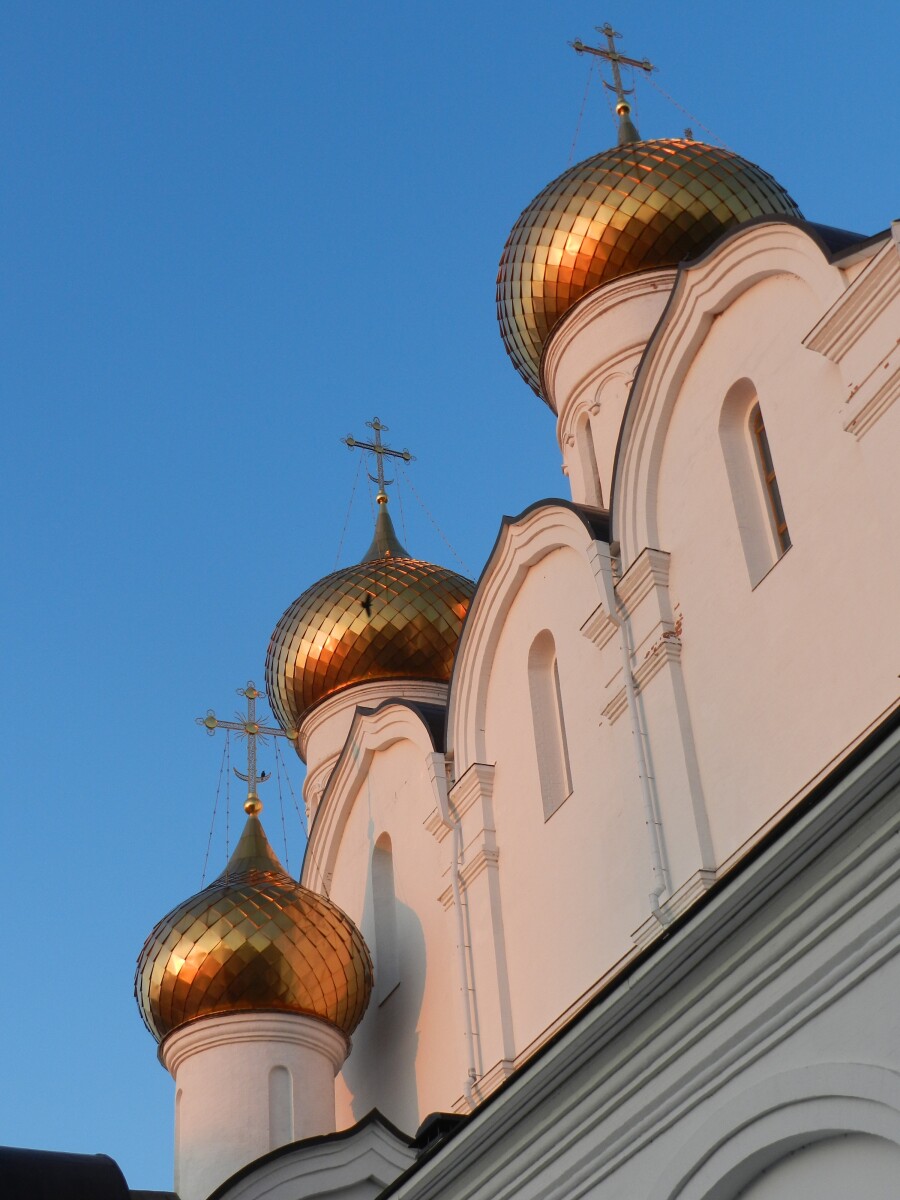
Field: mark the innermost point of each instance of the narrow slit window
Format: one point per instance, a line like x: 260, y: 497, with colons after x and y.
x: 281, y: 1107
x: 770, y: 481
x: 384, y: 904
x: 755, y: 492
x: 550, y: 741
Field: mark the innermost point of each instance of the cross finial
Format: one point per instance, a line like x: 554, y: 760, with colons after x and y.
x: 250, y: 728
x: 381, y: 452
x: 627, y: 129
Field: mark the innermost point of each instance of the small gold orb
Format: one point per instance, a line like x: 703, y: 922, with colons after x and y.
x: 253, y: 806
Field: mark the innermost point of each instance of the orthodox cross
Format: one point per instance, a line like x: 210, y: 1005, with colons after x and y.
x: 380, y: 451
x: 613, y: 57
x: 250, y: 728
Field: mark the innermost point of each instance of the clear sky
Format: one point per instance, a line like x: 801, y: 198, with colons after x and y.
x: 232, y: 233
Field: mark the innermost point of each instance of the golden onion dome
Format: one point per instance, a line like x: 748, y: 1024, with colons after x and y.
x: 255, y: 940
x: 389, y: 617
x: 640, y: 205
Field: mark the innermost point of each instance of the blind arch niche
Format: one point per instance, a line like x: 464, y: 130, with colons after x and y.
x: 550, y: 742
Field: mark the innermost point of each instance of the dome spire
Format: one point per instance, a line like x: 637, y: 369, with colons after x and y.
x: 385, y: 543
x: 627, y: 128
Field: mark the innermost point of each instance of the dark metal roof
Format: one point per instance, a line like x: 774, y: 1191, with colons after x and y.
x: 51, y: 1175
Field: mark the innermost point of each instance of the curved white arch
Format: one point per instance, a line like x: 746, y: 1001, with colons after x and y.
x: 522, y: 543
x: 703, y: 291
x: 776, y: 1116
x: 370, y: 733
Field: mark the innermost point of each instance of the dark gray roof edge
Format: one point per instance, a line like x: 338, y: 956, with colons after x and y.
x: 372, y: 1117
x: 432, y: 716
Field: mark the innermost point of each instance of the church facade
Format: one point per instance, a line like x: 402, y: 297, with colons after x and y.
x: 601, y: 894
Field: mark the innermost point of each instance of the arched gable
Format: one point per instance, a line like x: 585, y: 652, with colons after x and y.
x: 703, y: 291
x: 522, y: 542
x: 777, y: 1116
x: 373, y: 731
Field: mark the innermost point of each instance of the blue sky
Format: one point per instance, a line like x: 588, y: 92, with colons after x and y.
x: 233, y: 233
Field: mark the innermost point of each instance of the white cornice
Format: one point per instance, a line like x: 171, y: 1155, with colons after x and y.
x: 355, y: 1164
x: 595, y: 306
x: 368, y: 695
x: 229, y: 1029
x: 859, y: 307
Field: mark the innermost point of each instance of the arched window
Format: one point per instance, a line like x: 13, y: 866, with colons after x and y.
x: 587, y: 456
x: 281, y: 1108
x: 751, y: 475
x: 384, y: 906
x: 770, y: 483
x: 549, y: 723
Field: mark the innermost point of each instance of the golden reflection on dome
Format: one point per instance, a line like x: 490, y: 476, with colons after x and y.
x: 254, y: 940
x: 388, y: 617
x: 632, y: 208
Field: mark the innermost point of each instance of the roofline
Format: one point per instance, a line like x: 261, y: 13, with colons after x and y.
x: 428, y: 714
x: 372, y: 1117
x: 598, y: 523
x: 816, y: 234
x: 845, y: 244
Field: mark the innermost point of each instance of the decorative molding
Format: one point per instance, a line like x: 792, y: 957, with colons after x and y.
x: 876, y: 405
x: 857, y: 310
x: 436, y: 825
x: 369, y: 694
x: 370, y: 733
x: 593, y: 307
x: 585, y: 397
x: 229, y: 1029
x: 599, y: 628
x: 315, y: 784
x: 359, y: 1162
x: 649, y: 570
x: 477, y: 783
x: 666, y: 650
x: 483, y: 859
x: 850, y: 319
x: 520, y: 546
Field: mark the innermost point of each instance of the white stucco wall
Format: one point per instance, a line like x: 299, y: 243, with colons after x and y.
x: 764, y: 665
x: 571, y: 895
x: 408, y: 1054
x: 246, y: 1083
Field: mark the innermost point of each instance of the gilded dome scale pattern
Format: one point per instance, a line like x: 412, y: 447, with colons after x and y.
x: 254, y: 940
x: 632, y: 208
x: 388, y: 617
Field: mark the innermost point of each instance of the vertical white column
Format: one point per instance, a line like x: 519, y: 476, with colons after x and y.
x: 246, y: 1084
